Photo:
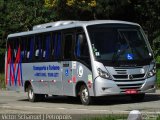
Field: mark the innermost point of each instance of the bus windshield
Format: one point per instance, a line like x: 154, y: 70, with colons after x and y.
x: 118, y: 43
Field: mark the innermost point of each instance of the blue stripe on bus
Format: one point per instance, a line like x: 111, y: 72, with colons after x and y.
x: 10, y: 74
x: 21, y: 71
x: 12, y: 70
x: 19, y: 65
x: 16, y: 75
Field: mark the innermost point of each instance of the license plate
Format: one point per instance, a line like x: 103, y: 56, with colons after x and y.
x: 131, y: 91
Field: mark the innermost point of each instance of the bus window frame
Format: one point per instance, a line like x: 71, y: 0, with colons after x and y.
x: 78, y: 31
x: 55, y: 45
x: 59, y: 33
x: 23, y: 41
x: 71, y: 32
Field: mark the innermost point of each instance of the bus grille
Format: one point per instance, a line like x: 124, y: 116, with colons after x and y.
x: 135, y: 76
x: 124, y: 82
x: 128, y: 78
x: 124, y: 87
x: 129, y: 84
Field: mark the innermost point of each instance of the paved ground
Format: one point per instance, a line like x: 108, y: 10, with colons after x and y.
x: 14, y: 102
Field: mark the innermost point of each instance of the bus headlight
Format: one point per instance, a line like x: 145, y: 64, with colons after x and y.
x: 152, y: 72
x: 103, y: 74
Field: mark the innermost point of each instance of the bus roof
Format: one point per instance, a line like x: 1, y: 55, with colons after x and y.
x: 66, y: 24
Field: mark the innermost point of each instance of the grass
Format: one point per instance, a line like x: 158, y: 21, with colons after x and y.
x: 115, y: 117
x: 158, y: 78
x: 2, y: 80
x: 158, y: 118
x: 107, y: 117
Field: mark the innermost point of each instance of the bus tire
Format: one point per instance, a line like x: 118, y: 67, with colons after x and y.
x: 32, y: 97
x: 84, y: 95
x: 138, y: 97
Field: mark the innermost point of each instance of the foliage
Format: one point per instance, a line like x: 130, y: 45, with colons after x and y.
x: 22, y: 15
x: 146, y: 13
x: 79, y: 3
x: 107, y: 117
x: 156, y: 47
x: 158, y: 78
x: 72, y: 9
x: 87, y: 9
x: 158, y: 59
x: 2, y: 81
x: 158, y: 118
x: 18, y: 16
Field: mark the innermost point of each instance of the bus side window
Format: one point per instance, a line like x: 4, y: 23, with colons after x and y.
x: 38, y: 47
x: 30, y: 48
x: 15, y: 48
x: 47, y: 46
x: 43, y: 47
x: 36, y: 51
x: 53, y: 42
x: 27, y: 48
x: 58, y: 47
x: 68, y: 39
x: 23, y: 48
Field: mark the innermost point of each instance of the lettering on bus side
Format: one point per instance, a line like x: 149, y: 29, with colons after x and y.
x: 46, y: 71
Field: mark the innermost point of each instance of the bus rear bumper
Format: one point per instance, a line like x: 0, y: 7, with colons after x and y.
x: 104, y: 87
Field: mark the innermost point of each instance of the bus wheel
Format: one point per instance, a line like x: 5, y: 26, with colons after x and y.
x: 138, y: 97
x: 84, y: 95
x: 34, y: 97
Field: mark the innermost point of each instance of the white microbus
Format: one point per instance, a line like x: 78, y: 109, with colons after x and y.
x: 81, y: 58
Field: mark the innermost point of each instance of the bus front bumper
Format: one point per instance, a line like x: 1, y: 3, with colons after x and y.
x: 104, y: 87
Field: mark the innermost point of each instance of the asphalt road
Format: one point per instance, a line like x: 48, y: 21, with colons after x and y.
x: 16, y: 102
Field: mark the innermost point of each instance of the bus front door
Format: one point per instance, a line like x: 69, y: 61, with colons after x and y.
x: 67, y: 78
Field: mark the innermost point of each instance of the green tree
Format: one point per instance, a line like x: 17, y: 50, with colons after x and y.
x: 22, y: 15
x: 148, y: 16
x: 72, y: 9
x: 146, y: 13
x: 18, y: 16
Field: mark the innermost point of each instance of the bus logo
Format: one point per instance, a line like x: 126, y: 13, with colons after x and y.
x: 130, y: 77
x: 80, y: 71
